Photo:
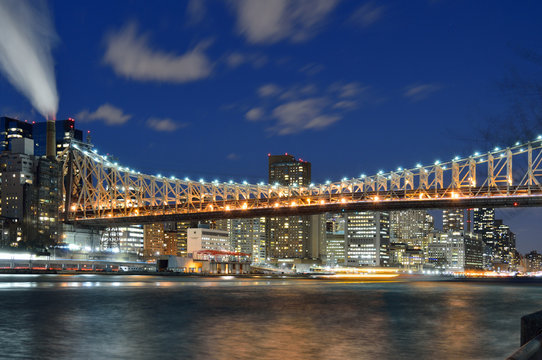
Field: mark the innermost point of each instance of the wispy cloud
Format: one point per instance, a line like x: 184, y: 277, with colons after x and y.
x: 367, y: 14
x: 195, y: 11
x: 299, y: 108
x: 131, y: 56
x: 164, y: 124
x: 347, y: 89
x: 107, y: 113
x: 419, y: 92
x: 237, y: 59
x: 312, y: 69
x: 296, y: 116
x: 265, y: 21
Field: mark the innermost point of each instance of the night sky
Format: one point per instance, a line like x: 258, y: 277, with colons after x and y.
x: 209, y: 88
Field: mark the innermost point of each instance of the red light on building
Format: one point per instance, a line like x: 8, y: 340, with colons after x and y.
x: 285, y: 153
x: 268, y: 154
x: 516, y: 204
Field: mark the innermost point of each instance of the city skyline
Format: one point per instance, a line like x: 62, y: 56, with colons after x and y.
x: 257, y: 88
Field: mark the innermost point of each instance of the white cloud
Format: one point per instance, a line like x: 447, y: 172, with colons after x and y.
x: 235, y: 59
x: 108, y: 113
x: 254, y: 114
x: 367, y: 14
x: 268, y: 90
x: 164, y: 124
x: 131, y: 56
x: 296, y: 116
x: 420, y: 91
x: 266, y: 21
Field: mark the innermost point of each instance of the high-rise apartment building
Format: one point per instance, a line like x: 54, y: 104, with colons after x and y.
x: 289, y: 237
x: 29, y: 195
x: 367, y: 238
x: 154, y: 240
x: 533, y: 261
x: 452, y: 220
x: 248, y: 236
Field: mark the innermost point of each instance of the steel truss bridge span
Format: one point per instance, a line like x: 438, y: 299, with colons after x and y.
x: 97, y: 191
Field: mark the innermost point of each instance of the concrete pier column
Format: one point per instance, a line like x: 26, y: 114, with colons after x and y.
x: 531, y: 325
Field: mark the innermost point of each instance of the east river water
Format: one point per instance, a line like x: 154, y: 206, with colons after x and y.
x: 153, y: 317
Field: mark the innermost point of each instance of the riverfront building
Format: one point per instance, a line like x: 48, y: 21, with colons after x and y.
x: 207, y: 239
x: 456, y: 251
x: 367, y: 238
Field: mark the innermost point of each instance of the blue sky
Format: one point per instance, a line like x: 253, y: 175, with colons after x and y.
x: 209, y: 88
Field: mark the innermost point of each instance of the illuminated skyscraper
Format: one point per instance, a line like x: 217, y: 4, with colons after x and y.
x: 367, y: 238
x: 410, y: 226
x: 289, y: 237
x: 484, y: 224
x: 286, y: 170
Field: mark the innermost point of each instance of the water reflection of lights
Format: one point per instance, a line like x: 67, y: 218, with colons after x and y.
x: 17, y: 285
x: 358, y: 276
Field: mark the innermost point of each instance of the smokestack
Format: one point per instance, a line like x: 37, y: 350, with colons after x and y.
x: 50, y: 151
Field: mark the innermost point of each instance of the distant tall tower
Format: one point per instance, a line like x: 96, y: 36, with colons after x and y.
x: 286, y: 170
x: 452, y: 220
x: 289, y: 237
x: 484, y: 224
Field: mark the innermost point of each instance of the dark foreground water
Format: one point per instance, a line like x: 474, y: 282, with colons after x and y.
x: 149, y: 317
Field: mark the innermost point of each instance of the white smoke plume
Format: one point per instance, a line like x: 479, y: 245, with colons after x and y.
x: 27, y: 36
